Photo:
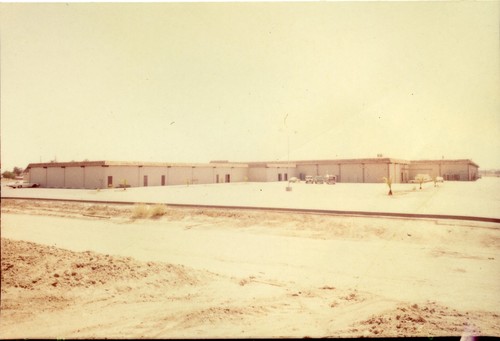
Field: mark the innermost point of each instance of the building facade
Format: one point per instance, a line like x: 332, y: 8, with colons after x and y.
x: 111, y: 174
x: 451, y: 170
x: 106, y: 174
x: 357, y: 170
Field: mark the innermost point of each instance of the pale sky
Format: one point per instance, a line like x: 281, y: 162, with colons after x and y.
x: 194, y: 82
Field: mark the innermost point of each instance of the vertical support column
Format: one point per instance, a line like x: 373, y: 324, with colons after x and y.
x: 64, y: 176
x: 83, y: 171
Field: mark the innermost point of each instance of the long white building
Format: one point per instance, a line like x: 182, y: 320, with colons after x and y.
x: 106, y: 174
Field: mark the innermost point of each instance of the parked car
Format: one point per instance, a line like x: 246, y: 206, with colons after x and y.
x: 318, y: 179
x: 309, y: 179
x: 421, y: 178
x: 330, y: 179
x: 439, y: 179
x: 23, y: 184
x: 294, y: 179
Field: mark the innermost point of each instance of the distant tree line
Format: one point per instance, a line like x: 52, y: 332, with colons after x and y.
x: 16, y: 171
x: 490, y: 172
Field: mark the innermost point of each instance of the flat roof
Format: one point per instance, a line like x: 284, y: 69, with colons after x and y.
x: 468, y: 161
x: 135, y: 163
x: 326, y: 161
x: 227, y: 164
x: 272, y: 164
x: 364, y: 160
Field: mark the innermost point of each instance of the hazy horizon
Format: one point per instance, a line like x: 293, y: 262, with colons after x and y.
x: 195, y: 82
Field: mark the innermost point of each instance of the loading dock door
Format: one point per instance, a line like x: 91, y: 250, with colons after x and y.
x: 145, y: 180
x: 228, y: 177
x: 110, y: 181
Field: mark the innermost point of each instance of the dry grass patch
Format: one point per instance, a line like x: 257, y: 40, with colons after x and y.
x: 143, y: 211
x: 140, y: 211
x: 157, y: 211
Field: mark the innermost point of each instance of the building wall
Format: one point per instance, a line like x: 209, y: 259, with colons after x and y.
x: 401, y: 173
x: 351, y: 172
x: 348, y: 172
x: 236, y: 174
x: 456, y: 170
x: 179, y: 175
x: 375, y: 172
x: 74, y: 177
x: 154, y: 175
x: 473, y: 173
x: 307, y: 169
x: 330, y: 169
x: 280, y: 173
x: 94, y: 177
x: 130, y: 174
x: 38, y: 175
x: 95, y: 174
x: 257, y: 174
x: 55, y: 177
x: 268, y: 173
x: 433, y: 169
x: 174, y: 175
x: 203, y: 175
x: 221, y: 175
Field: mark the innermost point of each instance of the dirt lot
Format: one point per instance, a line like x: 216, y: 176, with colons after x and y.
x: 72, y: 270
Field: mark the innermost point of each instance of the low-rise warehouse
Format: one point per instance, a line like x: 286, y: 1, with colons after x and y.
x: 105, y: 174
x: 451, y: 170
x: 102, y: 174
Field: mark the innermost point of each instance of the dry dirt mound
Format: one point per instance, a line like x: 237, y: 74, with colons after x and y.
x: 428, y: 319
x: 32, y: 266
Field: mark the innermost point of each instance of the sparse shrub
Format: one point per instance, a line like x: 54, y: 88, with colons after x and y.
x: 388, y: 182
x: 143, y: 211
x: 140, y: 211
x: 158, y: 211
x: 420, y: 179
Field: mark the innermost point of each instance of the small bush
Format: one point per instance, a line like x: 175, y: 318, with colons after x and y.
x: 140, y: 211
x: 158, y: 211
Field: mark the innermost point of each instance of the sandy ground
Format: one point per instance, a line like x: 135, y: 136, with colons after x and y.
x: 74, y: 270
x: 480, y: 198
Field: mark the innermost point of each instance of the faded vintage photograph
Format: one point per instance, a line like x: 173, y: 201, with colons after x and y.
x: 184, y: 170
